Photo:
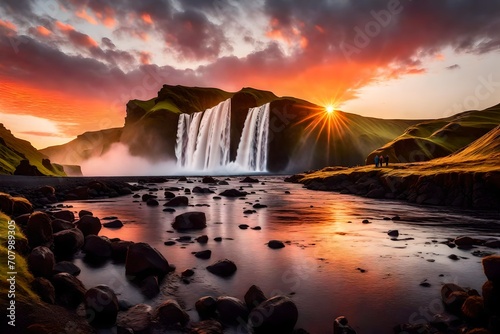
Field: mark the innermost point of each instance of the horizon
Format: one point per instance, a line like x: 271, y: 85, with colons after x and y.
x: 70, y: 67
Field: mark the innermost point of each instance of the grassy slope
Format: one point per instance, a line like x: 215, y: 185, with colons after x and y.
x: 438, y: 138
x: 16, y: 150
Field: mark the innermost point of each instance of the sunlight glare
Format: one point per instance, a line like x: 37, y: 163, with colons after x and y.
x: 329, y: 109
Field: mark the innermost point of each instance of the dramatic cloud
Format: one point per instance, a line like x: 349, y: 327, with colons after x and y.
x: 453, y: 67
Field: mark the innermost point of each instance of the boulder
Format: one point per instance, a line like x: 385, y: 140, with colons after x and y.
x: 101, y: 306
x: 277, y: 314
x: 209, y: 179
x: 64, y: 215
x: 39, y: 230
x: 169, y: 313
x: 495, y: 243
x: 21, y: 206
x: 202, y: 239
x: 453, y: 297
x: 491, y: 267
x: 61, y: 225
x: 275, y: 244
x: 187, y: 273
x: 190, y: 221
x: 119, y: 250
x: 464, y: 242
x: 152, y: 202
x: 491, y: 295
x: 223, y: 268
x: 68, y: 242
x: 143, y: 261
x: 70, y: 291
x: 169, y: 194
x: 41, y: 261
x: 341, y: 326
x: 204, y: 254
x: 206, y: 307
x: 147, y: 197
x: 113, y: 224
x: 393, y: 233
x: 249, y: 179
x: 231, y: 310
x: 206, y: 327
x: 473, y: 308
x: 254, y: 297
x: 233, y: 193
x: 43, y: 288
x: 150, y: 286
x: 6, y: 203
x: 97, y: 247
x: 66, y: 267
x: 89, y: 225
x: 82, y: 213
x: 178, y: 201
x: 137, y: 318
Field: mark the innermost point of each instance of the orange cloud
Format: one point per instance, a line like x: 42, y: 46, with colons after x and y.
x: 64, y: 27
x: 106, y: 16
x: 8, y: 25
x: 82, y: 13
x: 146, y: 18
x: 145, y: 57
x: 43, y: 31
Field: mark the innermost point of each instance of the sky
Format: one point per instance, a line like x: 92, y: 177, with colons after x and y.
x: 67, y: 67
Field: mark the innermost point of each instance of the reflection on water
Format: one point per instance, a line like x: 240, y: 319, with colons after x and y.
x: 320, y: 268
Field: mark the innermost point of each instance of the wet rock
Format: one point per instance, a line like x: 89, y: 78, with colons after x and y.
x: 453, y: 257
x: 43, y: 288
x: 190, y: 221
x: 491, y: 267
x: 60, y: 225
x: 147, y: 197
x: 206, y: 307
x: 187, y: 273
x: 243, y: 226
x: 259, y: 206
x: 464, y: 242
x: 275, y: 244
x: 169, y: 313
x: 233, y: 193
x: 341, y: 326
x: 206, y: 327
x: 218, y: 239
x: 184, y: 238
x: 187, y: 191
x: 137, y: 318
x: 491, y: 295
x: 254, y: 296
x: 150, y: 286
x: 256, y: 228
x: 70, y: 291
x: 39, y: 230
x: 143, y: 260
x: 20, y: 206
x: 425, y: 283
x: 277, y: 314
x: 170, y: 210
x: 41, y: 261
x: 89, y: 225
x: 200, y: 190
x: 178, y: 201
x: 393, y: 233
x: 113, y: 224
x: 64, y: 215
x: 492, y: 243
x: 82, y: 213
x: 473, y: 308
x: 119, y: 250
x: 249, y: 212
x: 453, y: 297
x: 202, y: 239
x: 209, y: 179
x: 366, y: 221
x: 152, y: 202
x: 204, y: 254
x: 249, y: 179
x: 97, y: 247
x: 169, y: 194
x: 68, y: 242
x: 66, y: 267
x: 169, y: 243
x: 101, y: 306
x: 231, y: 310
x: 396, y: 218
x: 223, y: 268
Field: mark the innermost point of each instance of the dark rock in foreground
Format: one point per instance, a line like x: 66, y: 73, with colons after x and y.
x: 275, y: 315
x: 143, y: 260
x: 231, y: 310
x: 275, y: 244
x: 69, y: 290
x: 223, y: 268
x: 491, y: 266
x: 137, y: 318
x: 233, y: 193
x: 169, y: 313
x: 206, y: 307
x: 190, y: 221
x: 254, y: 297
x: 101, y: 306
x: 177, y: 201
x: 41, y: 261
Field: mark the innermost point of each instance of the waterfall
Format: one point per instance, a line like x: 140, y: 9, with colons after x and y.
x: 252, y: 149
x: 203, y: 140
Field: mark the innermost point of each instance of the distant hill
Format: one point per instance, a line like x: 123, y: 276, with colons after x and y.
x: 301, y: 136
x: 438, y: 138
x: 14, y: 150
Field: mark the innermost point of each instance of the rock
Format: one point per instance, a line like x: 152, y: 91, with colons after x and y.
x: 453, y: 257
x: 393, y: 233
x: 491, y: 295
x: 143, y: 260
x: 70, y: 291
x: 42, y: 287
x: 206, y: 327
x: 68, y: 242
x: 249, y: 212
x: 137, y: 318
x: 187, y: 191
x: 190, y: 221
x: 231, y: 310
x: 206, y: 307
x: 150, y: 286
x: 233, y: 193
x: 169, y: 313
x: 492, y: 243
x: 277, y: 314
x: 66, y: 267
x: 119, y: 250
x: 39, y: 230
x: 223, y: 268
x: 25, y: 168
x: 101, y: 306
x: 169, y: 243
x: 169, y: 194
x: 396, y: 218
x: 473, y: 308
x: 465, y: 242
x: 243, y: 226
x: 187, y: 273
x: 82, y: 213
x: 200, y: 190
x: 147, y: 197
x: 491, y: 267
x: 366, y: 221
x: 209, y: 179
x: 341, y: 326
x: 218, y: 239
x: 275, y: 244
x: 61, y: 225
x: 170, y: 210
x: 257, y: 228
x: 20, y: 206
x: 254, y: 297
x: 202, y: 239
x: 41, y: 261
x: 259, y: 206
x: 113, y: 224
x: 97, y: 247
x: 64, y: 215
x: 453, y: 297
x: 249, y: 179
x: 152, y: 202
x: 178, y: 201
x: 89, y: 225
x: 204, y: 254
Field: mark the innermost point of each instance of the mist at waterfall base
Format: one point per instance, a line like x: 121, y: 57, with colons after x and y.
x: 202, y: 148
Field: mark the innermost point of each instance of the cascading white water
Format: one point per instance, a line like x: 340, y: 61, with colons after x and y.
x: 203, y: 140
x: 252, y: 149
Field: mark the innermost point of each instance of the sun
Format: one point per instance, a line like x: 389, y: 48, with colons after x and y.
x: 329, y: 109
